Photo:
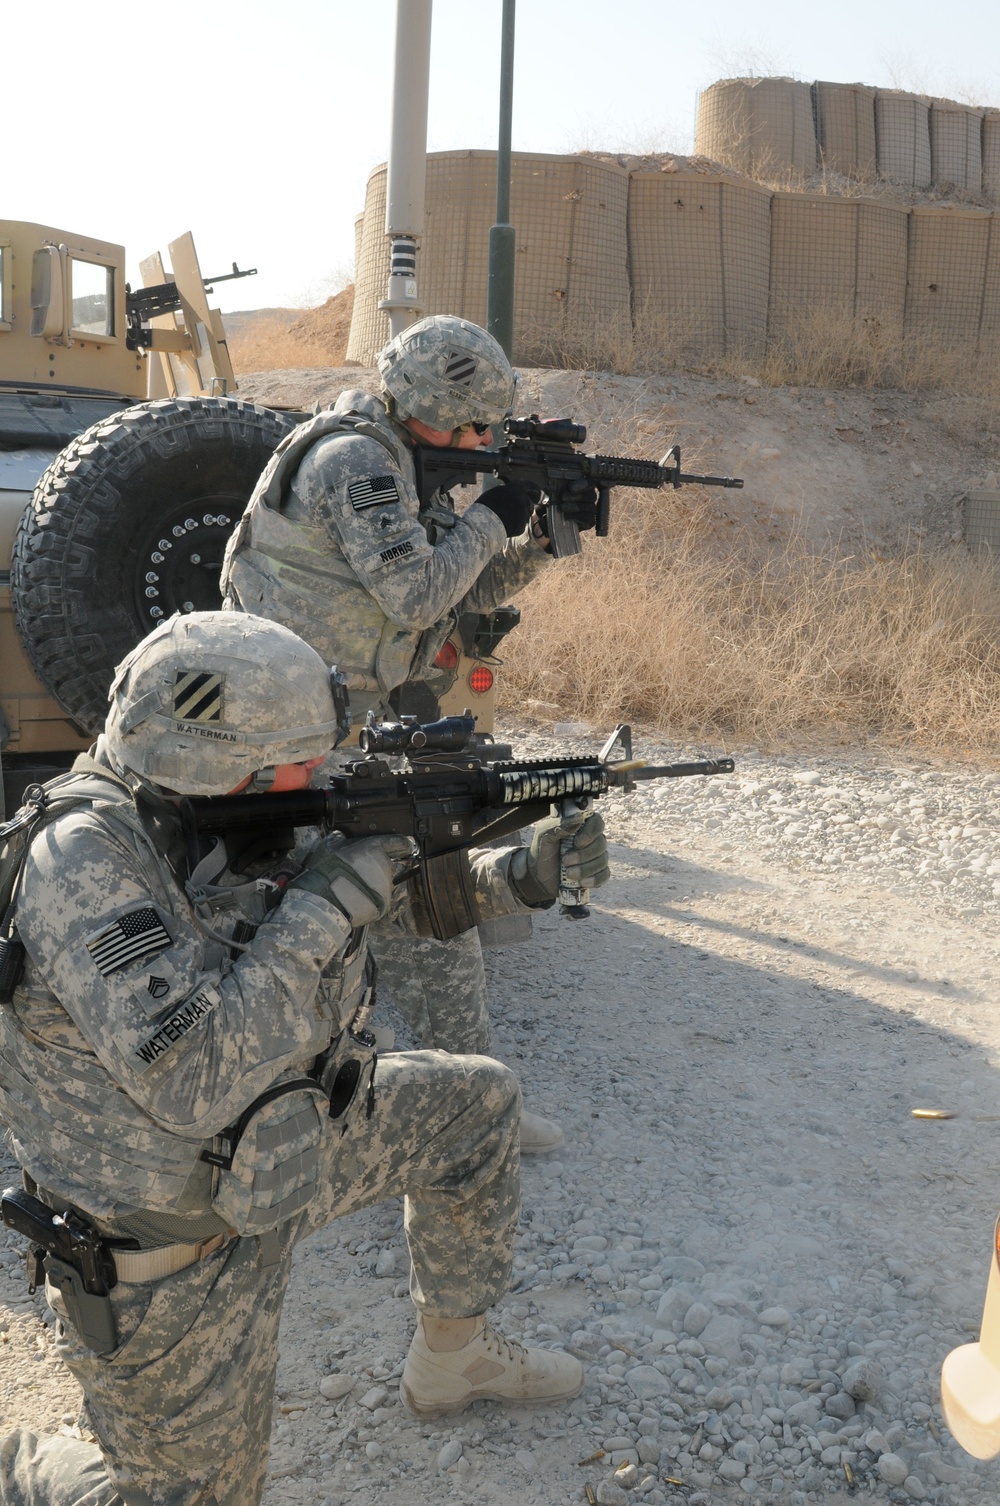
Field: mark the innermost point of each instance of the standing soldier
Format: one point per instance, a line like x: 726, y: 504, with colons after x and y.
x: 185, y: 1090
x: 336, y: 544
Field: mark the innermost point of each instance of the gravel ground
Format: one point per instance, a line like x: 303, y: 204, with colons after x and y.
x: 761, y: 1254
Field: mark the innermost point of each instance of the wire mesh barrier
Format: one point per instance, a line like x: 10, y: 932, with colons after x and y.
x: 982, y: 520
x: 845, y: 129
x: 699, y: 251
x: 948, y: 258
x: 618, y: 270
x: 760, y: 127
x: 956, y: 145
x: 835, y: 261
x: 571, y: 280
x: 903, y: 138
x: 991, y: 154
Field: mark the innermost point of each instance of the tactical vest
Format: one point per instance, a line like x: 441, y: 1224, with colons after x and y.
x: 78, y: 1134
x: 292, y: 571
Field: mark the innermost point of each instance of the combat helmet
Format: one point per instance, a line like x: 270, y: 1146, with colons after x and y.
x: 445, y: 372
x: 209, y: 698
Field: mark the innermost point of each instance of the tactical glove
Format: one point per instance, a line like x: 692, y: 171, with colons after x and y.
x: 537, y: 871
x: 578, y: 504
x: 513, y: 503
x: 357, y: 876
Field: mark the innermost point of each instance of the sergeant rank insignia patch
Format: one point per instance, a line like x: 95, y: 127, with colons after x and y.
x: 198, y: 696
x: 133, y: 937
x: 371, y: 491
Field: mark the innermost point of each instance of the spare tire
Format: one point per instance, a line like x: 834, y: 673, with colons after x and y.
x: 127, y: 526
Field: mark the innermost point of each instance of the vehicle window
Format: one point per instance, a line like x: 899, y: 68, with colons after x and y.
x: 93, y: 297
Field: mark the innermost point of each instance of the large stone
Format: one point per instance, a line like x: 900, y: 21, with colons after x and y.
x: 683, y: 1267
x: 696, y: 1319
x: 864, y: 1379
x: 673, y: 1306
x: 333, y: 1387
x: 840, y: 1405
x: 722, y: 1336
x: 450, y: 1454
x: 610, y: 1494
x: 892, y: 1469
x: 645, y: 1381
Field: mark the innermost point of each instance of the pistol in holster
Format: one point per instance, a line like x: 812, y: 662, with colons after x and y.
x: 76, y: 1259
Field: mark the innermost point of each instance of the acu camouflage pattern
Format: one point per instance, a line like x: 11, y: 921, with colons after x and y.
x: 182, y: 1408
x: 446, y: 371
x: 375, y: 586
x: 440, y: 987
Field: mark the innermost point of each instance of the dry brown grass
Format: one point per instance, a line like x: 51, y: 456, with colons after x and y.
x: 294, y: 340
x: 268, y: 345
x: 827, y: 346
x: 744, y: 645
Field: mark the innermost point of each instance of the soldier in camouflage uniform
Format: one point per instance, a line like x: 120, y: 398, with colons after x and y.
x: 177, y: 1067
x: 336, y: 544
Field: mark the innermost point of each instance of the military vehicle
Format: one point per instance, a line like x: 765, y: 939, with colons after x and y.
x: 126, y: 460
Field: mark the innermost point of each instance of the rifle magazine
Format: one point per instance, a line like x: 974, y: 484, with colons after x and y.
x: 444, y: 899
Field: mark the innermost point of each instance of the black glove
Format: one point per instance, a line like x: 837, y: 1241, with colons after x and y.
x: 513, y: 503
x: 578, y: 504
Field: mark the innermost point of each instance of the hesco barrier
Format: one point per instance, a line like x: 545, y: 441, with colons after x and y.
x: 703, y: 264
x: 956, y: 145
x: 949, y: 301
x: 761, y: 127
x: 991, y: 154
x: 842, y: 258
x: 845, y: 128
x: 699, y: 252
x: 982, y: 520
x: 571, y: 276
x: 903, y: 137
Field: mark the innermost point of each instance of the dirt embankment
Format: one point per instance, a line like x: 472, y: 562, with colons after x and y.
x: 292, y: 337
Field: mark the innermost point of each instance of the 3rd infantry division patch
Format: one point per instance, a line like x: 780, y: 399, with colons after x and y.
x: 198, y: 696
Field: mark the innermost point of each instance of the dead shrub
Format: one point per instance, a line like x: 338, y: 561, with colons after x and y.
x: 737, y: 643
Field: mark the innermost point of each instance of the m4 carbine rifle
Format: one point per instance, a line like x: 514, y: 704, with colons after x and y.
x: 446, y: 800
x: 543, y: 453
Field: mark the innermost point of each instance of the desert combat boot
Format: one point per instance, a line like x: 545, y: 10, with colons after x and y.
x: 539, y: 1134
x: 488, y: 1367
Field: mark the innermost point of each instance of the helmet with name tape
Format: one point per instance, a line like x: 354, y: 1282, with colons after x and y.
x: 209, y: 698
x: 445, y: 372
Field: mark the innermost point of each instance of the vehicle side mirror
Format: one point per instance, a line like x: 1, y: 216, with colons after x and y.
x: 48, y: 306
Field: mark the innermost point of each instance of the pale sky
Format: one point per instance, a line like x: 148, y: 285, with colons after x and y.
x: 255, y: 124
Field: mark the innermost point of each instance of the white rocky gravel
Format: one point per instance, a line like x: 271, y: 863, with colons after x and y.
x: 760, y: 1253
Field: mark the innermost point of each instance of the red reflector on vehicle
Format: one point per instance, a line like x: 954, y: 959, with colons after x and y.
x: 481, y: 680
x: 448, y: 657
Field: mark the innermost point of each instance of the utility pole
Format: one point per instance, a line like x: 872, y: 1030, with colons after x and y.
x: 404, y: 205
x: 500, y: 283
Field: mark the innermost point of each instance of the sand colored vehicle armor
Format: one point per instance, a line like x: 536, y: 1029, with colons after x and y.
x: 126, y: 461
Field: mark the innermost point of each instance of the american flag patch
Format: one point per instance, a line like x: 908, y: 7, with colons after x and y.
x: 372, y: 491
x: 133, y: 937
x: 461, y: 368
x: 198, y: 696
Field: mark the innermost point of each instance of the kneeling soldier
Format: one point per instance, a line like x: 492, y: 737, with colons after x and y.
x: 185, y: 1090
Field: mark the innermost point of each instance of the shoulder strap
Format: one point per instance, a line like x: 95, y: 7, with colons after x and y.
x: 289, y: 455
x: 42, y: 804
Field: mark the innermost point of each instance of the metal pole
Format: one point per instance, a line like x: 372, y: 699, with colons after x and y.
x: 500, y: 284
x: 404, y: 207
